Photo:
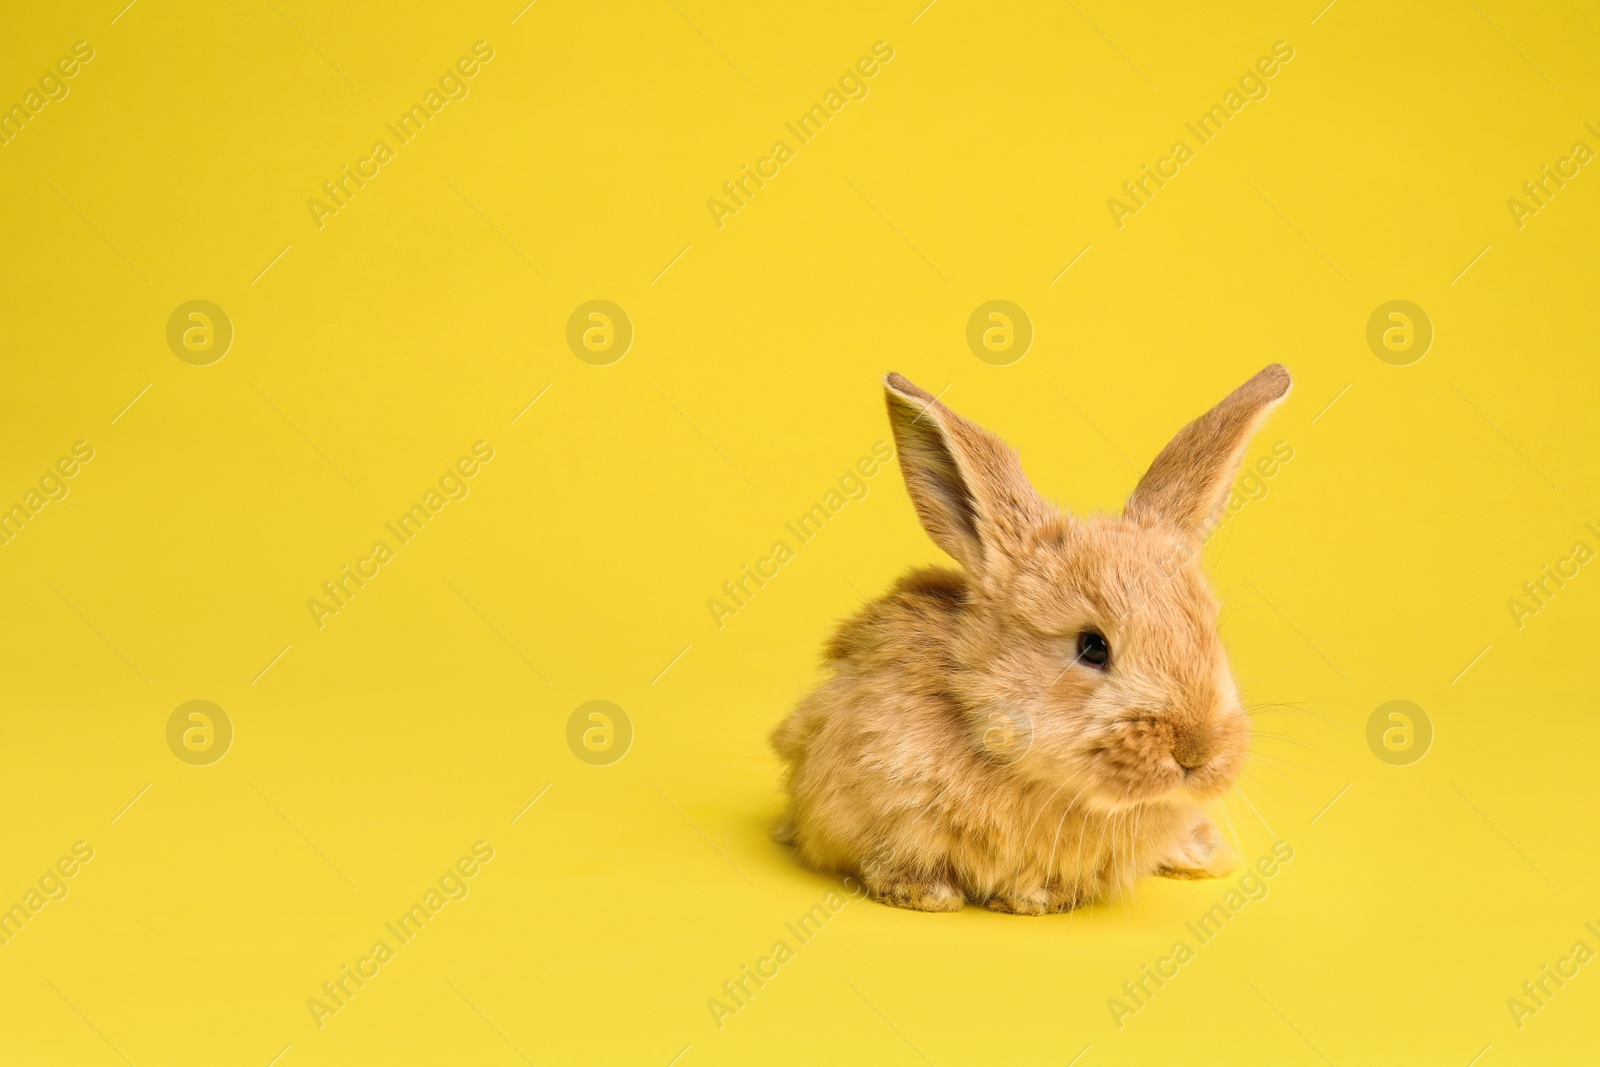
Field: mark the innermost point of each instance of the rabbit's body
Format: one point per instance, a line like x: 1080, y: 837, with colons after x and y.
x: 886, y: 782
x: 962, y: 751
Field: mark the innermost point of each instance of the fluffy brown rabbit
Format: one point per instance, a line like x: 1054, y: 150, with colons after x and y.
x: 1042, y: 727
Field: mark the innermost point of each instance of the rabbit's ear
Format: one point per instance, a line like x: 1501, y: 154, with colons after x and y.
x: 1188, y: 484
x: 966, y: 483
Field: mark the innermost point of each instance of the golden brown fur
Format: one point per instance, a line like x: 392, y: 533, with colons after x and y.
x: 964, y: 750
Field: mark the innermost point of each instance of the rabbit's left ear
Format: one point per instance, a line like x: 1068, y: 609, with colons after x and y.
x: 1187, y: 485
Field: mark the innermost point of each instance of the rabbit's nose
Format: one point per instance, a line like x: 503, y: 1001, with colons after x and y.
x: 1191, y: 747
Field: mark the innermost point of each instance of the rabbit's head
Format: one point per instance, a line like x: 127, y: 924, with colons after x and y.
x: 1087, y: 656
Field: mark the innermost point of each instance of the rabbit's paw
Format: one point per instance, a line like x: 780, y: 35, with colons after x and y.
x: 1200, y: 853
x: 919, y: 894
x: 1035, y: 902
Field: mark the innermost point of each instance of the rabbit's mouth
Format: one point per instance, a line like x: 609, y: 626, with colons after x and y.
x: 1152, y: 758
x: 1111, y: 797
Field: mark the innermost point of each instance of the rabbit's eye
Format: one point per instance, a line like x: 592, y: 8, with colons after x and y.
x: 1093, y: 649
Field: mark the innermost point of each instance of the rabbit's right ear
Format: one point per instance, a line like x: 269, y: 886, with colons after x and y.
x: 1188, y: 483
x: 966, y: 483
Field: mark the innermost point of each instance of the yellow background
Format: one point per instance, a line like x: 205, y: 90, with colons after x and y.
x: 426, y: 315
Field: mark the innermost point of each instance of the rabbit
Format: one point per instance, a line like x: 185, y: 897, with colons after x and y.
x: 1041, y: 728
